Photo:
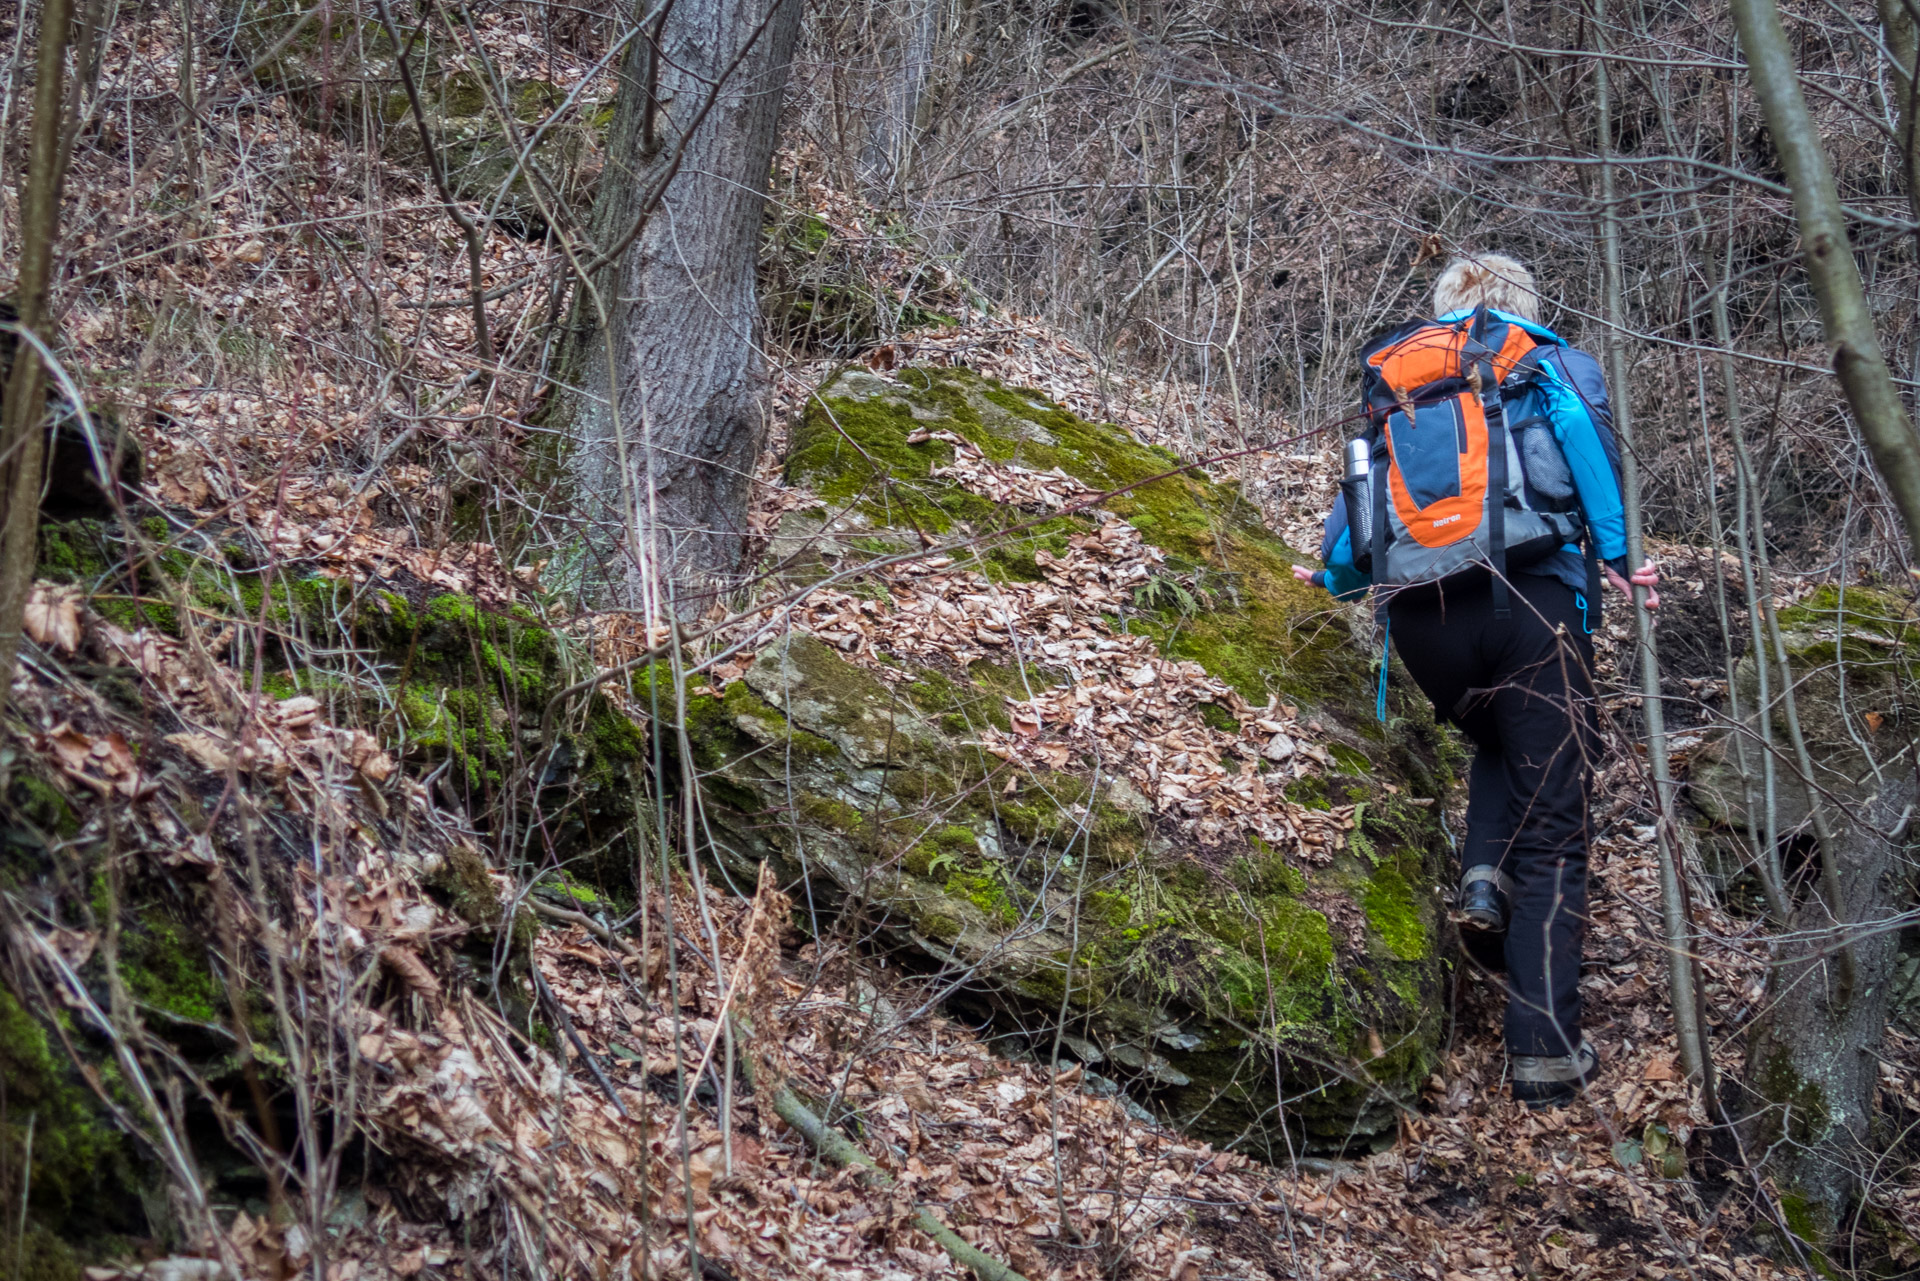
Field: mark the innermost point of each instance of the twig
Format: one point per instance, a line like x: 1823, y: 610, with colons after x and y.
x: 494, y: 294
x: 837, y: 1148
x: 585, y: 922
x: 476, y: 241
x: 1688, y: 1027
x: 579, y: 1046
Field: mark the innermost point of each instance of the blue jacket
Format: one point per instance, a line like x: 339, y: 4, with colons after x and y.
x: 1576, y: 401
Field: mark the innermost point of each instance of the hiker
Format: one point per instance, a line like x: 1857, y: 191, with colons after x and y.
x: 1488, y: 560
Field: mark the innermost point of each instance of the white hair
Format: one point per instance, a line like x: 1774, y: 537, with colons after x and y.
x: 1492, y: 280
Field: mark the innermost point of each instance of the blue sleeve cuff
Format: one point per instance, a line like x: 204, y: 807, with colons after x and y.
x: 1347, y: 583
x: 1609, y: 536
x: 1340, y: 577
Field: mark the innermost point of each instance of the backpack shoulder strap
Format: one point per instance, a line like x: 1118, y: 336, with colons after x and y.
x: 1497, y: 347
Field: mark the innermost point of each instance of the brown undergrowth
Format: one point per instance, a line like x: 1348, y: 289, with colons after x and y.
x: 248, y: 956
x: 486, y: 1152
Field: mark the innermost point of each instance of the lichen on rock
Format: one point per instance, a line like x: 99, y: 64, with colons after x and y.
x: 1228, y: 893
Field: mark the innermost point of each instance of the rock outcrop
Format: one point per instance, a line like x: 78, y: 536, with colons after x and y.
x: 506, y: 144
x: 1855, y: 657
x: 1215, y: 862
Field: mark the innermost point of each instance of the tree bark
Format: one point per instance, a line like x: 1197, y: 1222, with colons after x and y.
x: 1812, y: 1056
x: 1828, y: 255
x: 1903, y: 43
x: 665, y: 411
x: 23, y: 416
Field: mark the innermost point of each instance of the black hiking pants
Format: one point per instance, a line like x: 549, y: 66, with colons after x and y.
x: 1521, y: 689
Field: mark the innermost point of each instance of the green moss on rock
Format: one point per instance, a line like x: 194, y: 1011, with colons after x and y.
x: 462, y: 883
x: 84, y: 1172
x: 1855, y: 659
x: 1196, y: 977
x: 353, y: 77
x: 1206, y: 966
x: 44, y: 806
x: 166, y: 968
x: 1394, y: 913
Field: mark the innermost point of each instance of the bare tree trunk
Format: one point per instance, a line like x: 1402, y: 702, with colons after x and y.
x: 1903, y: 42
x: 1811, y: 1057
x: 911, y: 97
x: 1682, y: 981
x: 1813, y: 1054
x: 23, y: 412
x: 887, y: 157
x: 666, y: 414
x: 1828, y: 255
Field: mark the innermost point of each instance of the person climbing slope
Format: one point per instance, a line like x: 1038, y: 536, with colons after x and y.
x: 1480, y: 504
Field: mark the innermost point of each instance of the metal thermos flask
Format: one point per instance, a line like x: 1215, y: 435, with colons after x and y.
x: 1357, y: 485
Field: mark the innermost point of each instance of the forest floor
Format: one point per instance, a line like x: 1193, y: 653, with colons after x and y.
x: 231, y: 348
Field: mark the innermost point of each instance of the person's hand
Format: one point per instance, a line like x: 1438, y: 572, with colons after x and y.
x: 1302, y: 574
x: 1647, y: 576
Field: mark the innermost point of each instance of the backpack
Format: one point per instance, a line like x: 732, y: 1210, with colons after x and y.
x: 1468, y: 477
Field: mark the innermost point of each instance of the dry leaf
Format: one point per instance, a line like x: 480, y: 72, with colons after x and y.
x: 72, y: 748
x: 700, y: 1169
x: 114, y: 756
x: 609, y: 1146
x: 74, y: 946
x: 1186, y: 1264
x: 413, y: 971
x: 53, y: 617
x: 203, y: 748
x: 298, y: 712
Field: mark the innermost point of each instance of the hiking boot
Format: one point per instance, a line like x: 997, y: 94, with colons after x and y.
x: 1553, y: 1080
x: 1483, y: 901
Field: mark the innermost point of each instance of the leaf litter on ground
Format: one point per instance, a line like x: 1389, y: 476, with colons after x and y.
x: 476, y: 1118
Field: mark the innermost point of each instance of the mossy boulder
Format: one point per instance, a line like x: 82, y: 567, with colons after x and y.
x: 1855, y: 660
x: 346, y: 77
x: 474, y: 683
x: 820, y: 291
x: 81, y: 1176
x: 1219, y: 978
x: 482, y: 157
x: 464, y: 684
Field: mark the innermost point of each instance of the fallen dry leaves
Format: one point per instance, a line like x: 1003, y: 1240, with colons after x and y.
x: 53, y: 617
x: 1117, y: 700
x: 483, y: 1125
x: 1033, y: 1166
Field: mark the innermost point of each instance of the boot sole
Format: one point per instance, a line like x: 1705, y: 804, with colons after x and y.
x: 1540, y: 1095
